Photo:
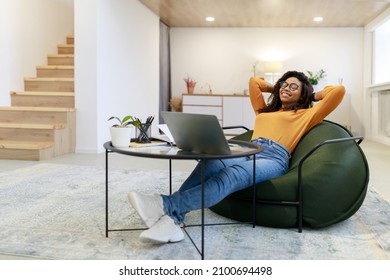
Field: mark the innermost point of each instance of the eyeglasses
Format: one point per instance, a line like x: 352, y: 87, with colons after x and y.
x: 292, y: 86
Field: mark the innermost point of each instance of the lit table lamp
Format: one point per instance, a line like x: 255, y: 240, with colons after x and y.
x: 272, y: 68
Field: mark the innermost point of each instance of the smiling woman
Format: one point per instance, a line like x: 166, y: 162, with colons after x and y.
x: 290, y: 92
x: 289, y: 114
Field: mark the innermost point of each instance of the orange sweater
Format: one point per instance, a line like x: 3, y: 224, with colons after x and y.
x: 287, y: 127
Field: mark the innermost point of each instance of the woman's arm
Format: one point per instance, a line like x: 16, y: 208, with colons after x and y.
x: 317, y: 96
x: 256, y: 88
x: 330, y: 97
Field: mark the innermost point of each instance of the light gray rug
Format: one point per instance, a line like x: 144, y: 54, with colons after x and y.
x: 58, y: 211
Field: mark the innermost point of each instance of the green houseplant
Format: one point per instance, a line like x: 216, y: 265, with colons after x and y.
x: 315, y: 78
x: 121, y: 130
x: 126, y: 121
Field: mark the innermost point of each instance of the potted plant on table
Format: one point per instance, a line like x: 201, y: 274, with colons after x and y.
x: 121, y: 131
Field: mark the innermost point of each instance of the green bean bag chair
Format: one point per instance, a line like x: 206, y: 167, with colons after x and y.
x: 334, y: 184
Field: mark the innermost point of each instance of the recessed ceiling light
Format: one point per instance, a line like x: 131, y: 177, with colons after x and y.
x: 318, y: 19
x: 210, y: 19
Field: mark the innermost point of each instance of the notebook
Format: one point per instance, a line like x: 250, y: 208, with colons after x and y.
x: 197, y: 133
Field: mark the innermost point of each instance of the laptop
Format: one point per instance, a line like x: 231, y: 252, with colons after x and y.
x: 197, y: 133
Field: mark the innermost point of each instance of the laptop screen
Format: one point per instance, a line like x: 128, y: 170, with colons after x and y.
x: 197, y: 133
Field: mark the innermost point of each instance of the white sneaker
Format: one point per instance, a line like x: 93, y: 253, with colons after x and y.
x: 164, y: 231
x: 149, y: 207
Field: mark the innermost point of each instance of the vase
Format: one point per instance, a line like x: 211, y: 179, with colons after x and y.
x: 190, y: 90
x: 120, y: 136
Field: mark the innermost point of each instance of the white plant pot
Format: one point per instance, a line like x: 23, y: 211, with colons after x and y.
x: 120, y: 136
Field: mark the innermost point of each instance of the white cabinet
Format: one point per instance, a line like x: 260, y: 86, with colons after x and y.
x: 203, y: 104
x: 229, y: 109
x: 237, y: 110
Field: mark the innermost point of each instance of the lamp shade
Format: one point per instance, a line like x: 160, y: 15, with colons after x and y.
x: 273, y: 67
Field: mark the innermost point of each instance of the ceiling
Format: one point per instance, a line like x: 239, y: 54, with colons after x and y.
x: 266, y: 13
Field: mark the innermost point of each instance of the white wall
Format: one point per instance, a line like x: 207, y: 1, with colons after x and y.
x: 223, y: 57
x: 117, y: 66
x: 86, y: 98
x: 29, y: 31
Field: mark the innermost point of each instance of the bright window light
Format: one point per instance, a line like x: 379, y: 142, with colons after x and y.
x: 318, y: 19
x: 381, y: 53
x: 210, y: 19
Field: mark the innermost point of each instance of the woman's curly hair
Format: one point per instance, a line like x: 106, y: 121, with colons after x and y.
x: 305, y: 101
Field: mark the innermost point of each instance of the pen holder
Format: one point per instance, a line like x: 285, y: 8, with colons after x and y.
x: 143, y: 133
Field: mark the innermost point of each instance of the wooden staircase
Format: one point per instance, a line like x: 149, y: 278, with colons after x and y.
x: 41, y: 121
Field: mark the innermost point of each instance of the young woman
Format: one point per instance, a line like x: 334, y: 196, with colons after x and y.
x: 279, y: 125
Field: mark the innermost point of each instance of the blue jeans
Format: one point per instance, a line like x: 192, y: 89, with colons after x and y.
x: 223, y: 177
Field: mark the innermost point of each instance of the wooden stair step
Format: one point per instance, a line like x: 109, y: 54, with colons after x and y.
x: 26, y: 114
x: 56, y: 67
x: 70, y: 39
x: 23, y: 150
x: 43, y: 99
x: 60, y: 59
x: 24, y: 145
x: 32, y: 125
x: 36, y: 109
x: 44, y: 93
x: 31, y: 132
x: 49, y: 84
x: 65, y: 71
x: 65, y: 49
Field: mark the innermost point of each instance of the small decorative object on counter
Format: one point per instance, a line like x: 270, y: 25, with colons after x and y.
x: 190, y: 85
x: 176, y: 104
